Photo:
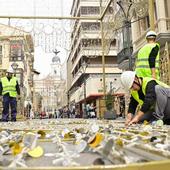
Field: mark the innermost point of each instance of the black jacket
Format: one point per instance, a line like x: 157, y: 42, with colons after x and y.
x: 152, y: 56
x: 149, y: 99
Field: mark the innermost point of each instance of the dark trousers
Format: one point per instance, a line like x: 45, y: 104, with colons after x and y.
x: 162, y: 109
x: 9, y: 101
x: 162, y: 106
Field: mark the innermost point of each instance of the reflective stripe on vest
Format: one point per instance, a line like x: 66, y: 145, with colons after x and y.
x: 9, y: 86
x: 135, y: 94
x: 142, y: 63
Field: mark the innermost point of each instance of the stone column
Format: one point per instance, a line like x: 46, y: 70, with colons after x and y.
x: 160, y: 7
x: 135, y: 32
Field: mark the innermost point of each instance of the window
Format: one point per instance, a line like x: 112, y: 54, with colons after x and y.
x: 90, y: 26
x: 16, y: 50
x: 88, y: 10
x: 144, y: 24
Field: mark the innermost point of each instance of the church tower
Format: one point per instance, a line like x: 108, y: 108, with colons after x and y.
x: 56, y: 66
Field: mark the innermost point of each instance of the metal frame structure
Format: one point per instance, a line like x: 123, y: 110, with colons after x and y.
x: 100, y: 18
x: 145, y: 166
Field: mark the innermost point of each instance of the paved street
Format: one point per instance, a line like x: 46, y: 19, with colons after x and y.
x: 63, y: 143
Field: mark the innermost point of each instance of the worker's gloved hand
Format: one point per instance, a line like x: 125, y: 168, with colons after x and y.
x: 128, y: 118
x: 134, y: 120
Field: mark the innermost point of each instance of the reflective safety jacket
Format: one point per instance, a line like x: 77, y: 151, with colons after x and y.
x: 9, y: 86
x: 142, y: 63
x: 135, y: 94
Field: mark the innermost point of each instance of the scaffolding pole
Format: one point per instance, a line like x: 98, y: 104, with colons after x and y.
x: 52, y: 17
x: 151, y: 14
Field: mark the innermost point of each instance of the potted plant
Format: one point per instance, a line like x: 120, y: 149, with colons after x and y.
x: 110, y: 113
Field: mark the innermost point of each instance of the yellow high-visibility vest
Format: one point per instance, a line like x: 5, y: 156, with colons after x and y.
x: 9, y: 86
x: 142, y: 63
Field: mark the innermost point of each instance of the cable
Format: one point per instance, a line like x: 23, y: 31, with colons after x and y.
x: 130, y: 23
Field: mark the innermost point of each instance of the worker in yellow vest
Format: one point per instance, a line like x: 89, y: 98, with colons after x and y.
x: 151, y: 95
x: 147, y: 62
x: 9, y: 88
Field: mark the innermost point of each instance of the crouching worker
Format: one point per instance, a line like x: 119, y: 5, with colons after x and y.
x: 152, y: 97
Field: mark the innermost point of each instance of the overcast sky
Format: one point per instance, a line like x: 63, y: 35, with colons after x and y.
x: 38, y: 8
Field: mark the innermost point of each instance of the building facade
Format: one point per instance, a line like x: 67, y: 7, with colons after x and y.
x: 84, y: 64
x: 50, y: 91
x: 17, y: 51
x: 140, y: 25
x: 162, y: 28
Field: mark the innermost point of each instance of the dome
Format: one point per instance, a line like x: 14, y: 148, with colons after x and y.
x: 56, y: 59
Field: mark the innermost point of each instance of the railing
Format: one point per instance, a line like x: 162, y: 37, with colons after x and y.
x: 100, y: 65
x: 123, y: 54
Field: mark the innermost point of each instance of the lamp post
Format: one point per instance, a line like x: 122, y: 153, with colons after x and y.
x: 151, y: 14
x: 14, y: 67
x: 126, y: 30
x: 127, y: 9
x: 83, y: 69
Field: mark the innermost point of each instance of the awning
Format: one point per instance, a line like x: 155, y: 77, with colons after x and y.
x: 96, y: 96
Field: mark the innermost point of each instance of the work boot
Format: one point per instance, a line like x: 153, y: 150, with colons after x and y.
x: 2, y: 120
x: 13, y: 120
x: 167, y: 121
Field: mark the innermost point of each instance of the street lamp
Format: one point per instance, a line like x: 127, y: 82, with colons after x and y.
x: 126, y: 30
x: 14, y: 67
x: 127, y: 10
x: 83, y: 69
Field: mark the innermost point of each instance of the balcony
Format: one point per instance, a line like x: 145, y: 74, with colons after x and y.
x: 163, y: 30
x: 124, y: 55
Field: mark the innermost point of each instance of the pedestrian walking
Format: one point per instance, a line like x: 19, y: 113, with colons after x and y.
x: 92, y: 111
x: 151, y: 95
x: 9, y: 88
x: 28, y: 109
x: 147, y: 62
x: 32, y: 115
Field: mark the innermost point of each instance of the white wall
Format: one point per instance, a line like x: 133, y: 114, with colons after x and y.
x: 94, y: 86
